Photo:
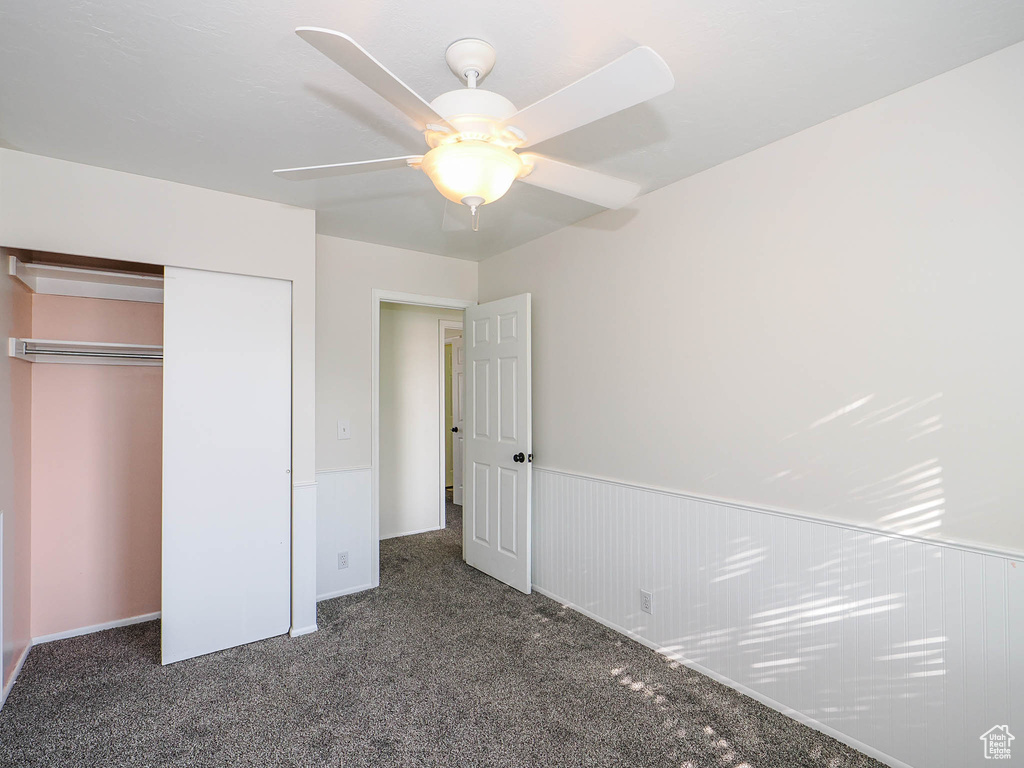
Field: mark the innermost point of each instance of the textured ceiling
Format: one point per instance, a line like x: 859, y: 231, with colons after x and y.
x: 217, y: 94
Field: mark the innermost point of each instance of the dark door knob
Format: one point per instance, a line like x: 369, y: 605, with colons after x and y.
x: 455, y: 429
x: 519, y: 457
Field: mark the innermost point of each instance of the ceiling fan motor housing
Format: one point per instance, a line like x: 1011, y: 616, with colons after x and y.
x: 475, y: 112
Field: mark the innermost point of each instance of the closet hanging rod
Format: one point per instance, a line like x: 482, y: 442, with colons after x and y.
x: 85, y: 352
x: 67, y: 353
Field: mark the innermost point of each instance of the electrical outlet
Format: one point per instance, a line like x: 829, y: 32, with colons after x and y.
x: 646, y: 602
x: 342, y: 560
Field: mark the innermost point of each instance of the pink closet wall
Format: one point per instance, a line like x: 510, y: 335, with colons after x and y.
x: 96, y: 469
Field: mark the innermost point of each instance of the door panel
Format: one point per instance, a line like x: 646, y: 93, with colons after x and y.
x: 481, y: 502
x: 507, y: 400
x: 508, y: 484
x: 458, y: 416
x: 498, y: 431
x: 226, y: 565
x: 481, y: 389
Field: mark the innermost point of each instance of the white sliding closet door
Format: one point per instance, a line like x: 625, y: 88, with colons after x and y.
x: 226, y: 461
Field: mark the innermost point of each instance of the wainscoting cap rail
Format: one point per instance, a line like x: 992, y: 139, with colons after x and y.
x: 1007, y: 554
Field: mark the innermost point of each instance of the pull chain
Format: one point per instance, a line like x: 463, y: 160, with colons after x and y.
x: 474, y: 204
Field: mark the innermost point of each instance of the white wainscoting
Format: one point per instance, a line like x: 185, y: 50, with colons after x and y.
x: 908, y: 650
x: 343, y: 524
x: 304, y: 506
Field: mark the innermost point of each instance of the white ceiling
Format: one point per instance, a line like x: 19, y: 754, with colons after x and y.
x: 219, y: 93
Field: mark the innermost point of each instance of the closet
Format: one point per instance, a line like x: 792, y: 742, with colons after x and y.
x: 161, y: 450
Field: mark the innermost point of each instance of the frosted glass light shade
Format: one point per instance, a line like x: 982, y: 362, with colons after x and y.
x: 472, y: 169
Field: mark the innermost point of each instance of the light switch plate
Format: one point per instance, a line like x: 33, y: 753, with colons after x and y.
x: 344, y: 430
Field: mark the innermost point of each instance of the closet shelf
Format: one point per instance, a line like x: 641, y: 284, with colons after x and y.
x: 88, y: 283
x: 85, y: 352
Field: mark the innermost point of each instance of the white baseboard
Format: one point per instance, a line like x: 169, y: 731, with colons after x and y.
x: 300, y: 631
x: 95, y: 628
x: 768, y: 702
x: 410, y: 533
x: 14, y: 675
x: 343, y: 592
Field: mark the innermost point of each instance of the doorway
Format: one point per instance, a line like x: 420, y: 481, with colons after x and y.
x: 453, y: 403
x: 498, y: 436
x: 409, y: 431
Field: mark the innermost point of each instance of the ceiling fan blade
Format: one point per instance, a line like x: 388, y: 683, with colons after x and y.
x: 456, y: 218
x: 349, y: 55
x: 344, y: 169
x: 580, y: 183
x: 631, y: 79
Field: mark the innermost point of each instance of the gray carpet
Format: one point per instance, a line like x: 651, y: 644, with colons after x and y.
x: 440, y: 666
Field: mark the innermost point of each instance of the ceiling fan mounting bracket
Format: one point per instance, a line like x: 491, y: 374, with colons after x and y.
x: 470, y: 59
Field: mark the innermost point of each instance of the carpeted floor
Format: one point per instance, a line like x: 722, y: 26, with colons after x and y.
x: 440, y: 666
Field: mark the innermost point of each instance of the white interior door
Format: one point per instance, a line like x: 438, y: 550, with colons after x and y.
x: 458, y: 417
x: 498, y: 440
x: 226, y: 565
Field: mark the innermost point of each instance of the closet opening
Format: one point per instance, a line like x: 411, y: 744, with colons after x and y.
x: 95, y: 347
x: 154, y: 492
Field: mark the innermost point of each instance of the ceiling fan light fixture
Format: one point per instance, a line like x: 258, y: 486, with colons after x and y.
x: 472, y: 169
x: 474, y: 134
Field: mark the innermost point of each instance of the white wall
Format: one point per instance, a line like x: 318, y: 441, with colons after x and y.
x: 410, y: 417
x: 809, y: 326
x: 54, y: 205
x: 829, y: 325
x: 347, y: 273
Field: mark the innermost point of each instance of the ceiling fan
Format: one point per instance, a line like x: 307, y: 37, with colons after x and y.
x: 474, y: 135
